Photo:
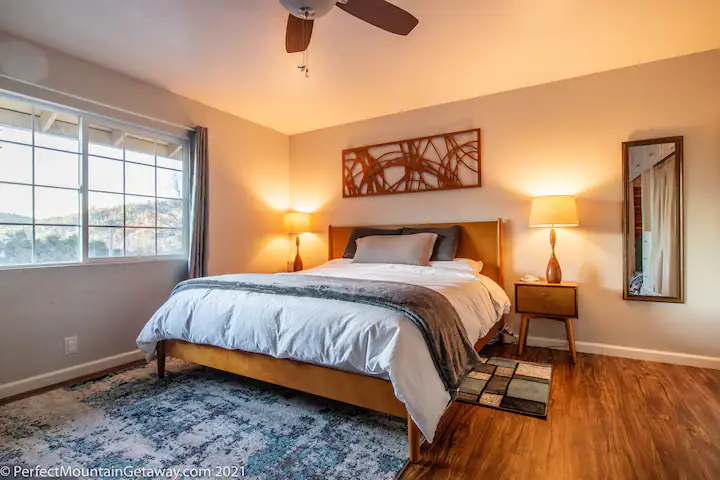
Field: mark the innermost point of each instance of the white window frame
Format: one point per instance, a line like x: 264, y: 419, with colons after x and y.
x: 85, y: 119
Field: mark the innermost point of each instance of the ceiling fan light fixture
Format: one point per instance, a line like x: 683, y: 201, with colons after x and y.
x: 308, y: 9
x: 379, y: 13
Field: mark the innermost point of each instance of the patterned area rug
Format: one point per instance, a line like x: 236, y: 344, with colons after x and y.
x: 199, y: 418
x: 512, y: 385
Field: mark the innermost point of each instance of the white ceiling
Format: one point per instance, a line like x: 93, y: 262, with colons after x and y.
x: 230, y: 53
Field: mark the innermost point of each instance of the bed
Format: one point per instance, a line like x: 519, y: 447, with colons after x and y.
x: 346, y: 361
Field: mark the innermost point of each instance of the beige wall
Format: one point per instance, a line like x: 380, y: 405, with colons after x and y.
x: 559, y: 138
x: 106, y: 306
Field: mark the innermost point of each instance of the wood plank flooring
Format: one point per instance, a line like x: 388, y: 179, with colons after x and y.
x: 609, y: 418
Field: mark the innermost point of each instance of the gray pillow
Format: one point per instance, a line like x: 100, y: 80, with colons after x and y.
x: 365, y: 232
x: 447, y: 242
x: 403, y: 249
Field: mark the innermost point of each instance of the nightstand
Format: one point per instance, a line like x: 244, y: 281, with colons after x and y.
x: 555, y: 301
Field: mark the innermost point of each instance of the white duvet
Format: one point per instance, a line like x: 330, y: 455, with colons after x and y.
x: 348, y: 336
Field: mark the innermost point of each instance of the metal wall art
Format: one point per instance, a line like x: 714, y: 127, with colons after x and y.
x: 442, y: 162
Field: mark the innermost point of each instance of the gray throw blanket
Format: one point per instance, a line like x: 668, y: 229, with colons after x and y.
x: 430, y: 311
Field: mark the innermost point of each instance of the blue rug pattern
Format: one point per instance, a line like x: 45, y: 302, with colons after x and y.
x: 199, y: 417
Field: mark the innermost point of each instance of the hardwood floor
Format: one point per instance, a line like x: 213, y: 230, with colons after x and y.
x: 610, y: 418
x: 67, y: 383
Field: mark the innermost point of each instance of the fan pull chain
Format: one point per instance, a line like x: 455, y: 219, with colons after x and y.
x: 305, y: 67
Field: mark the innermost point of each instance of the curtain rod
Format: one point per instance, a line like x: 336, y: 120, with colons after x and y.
x: 100, y: 104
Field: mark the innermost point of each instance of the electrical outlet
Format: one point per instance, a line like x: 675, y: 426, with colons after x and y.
x: 71, y: 345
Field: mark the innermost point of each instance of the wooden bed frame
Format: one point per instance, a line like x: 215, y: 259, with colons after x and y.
x: 478, y: 240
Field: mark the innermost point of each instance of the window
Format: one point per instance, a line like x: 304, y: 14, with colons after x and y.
x: 135, y: 195
x: 75, y: 188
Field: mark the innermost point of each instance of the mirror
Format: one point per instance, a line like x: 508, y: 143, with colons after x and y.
x: 653, y: 219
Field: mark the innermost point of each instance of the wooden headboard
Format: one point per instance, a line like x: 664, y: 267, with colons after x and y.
x: 478, y: 241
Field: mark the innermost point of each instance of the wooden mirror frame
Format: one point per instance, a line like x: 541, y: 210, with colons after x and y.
x: 628, y: 229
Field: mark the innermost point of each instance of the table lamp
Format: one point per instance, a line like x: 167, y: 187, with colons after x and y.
x: 297, y: 223
x: 553, y: 211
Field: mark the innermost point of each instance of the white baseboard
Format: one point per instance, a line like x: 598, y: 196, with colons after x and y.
x: 59, y: 376
x: 628, y: 352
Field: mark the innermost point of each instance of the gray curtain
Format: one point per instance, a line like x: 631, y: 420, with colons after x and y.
x: 197, y: 263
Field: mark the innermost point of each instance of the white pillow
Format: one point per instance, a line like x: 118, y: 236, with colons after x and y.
x: 413, y: 249
x: 460, y: 264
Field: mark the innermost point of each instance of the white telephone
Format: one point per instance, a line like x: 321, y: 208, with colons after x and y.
x: 529, y: 279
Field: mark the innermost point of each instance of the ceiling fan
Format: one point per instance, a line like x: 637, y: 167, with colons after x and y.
x: 379, y: 13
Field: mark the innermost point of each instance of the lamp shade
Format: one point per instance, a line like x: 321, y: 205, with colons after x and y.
x: 554, y: 211
x: 297, y: 222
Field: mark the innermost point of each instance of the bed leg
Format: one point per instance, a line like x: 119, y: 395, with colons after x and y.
x: 161, y: 359
x: 413, y: 440
x: 500, y: 333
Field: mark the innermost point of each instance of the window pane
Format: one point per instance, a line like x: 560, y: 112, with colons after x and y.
x: 106, y: 175
x: 58, y: 169
x: 169, y: 242
x: 170, y: 155
x: 139, y: 150
x: 139, y: 211
x: 169, y: 183
x: 15, y: 122
x: 170, y: 213
x: 57, y: 206
x: 15, y: 163
x: 105, y: 242
x: 56, y: 130
x: 105, y: 142
x: 169, y: 163
x: 15, y: 245
x: 15, y: 204
x: 139, y: 179
x: 139, y: 241
x: 57, y: 244
x: 105, y: 209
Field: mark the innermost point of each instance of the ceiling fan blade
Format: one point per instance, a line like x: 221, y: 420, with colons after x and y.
x: 381, y: 14
x: 297, y: 37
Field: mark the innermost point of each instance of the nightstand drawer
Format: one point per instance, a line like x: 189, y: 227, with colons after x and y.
x: 546, y: 300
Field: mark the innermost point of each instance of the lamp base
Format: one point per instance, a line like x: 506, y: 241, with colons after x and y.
x: 553, y: 273
x: 297, y: 264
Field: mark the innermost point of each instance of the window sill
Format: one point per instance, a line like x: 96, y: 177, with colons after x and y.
x: 99, y: 261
